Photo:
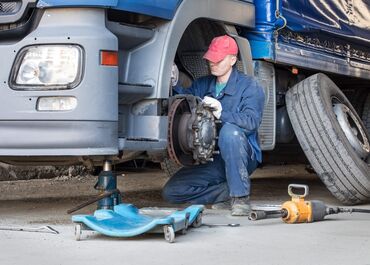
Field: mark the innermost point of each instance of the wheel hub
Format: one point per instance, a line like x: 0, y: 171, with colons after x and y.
x: 353, y: 129
x: 191, y: 131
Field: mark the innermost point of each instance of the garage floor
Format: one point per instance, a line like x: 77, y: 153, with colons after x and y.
x: 341, y: 239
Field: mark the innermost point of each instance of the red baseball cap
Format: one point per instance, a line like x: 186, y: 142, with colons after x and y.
x: 220, y: 47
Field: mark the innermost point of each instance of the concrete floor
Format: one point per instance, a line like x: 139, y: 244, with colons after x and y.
x: 341, y: 239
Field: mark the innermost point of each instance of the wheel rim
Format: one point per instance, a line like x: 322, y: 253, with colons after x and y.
x: 352, y: 129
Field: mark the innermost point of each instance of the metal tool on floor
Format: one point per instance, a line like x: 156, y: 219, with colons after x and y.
x: 218, y: 225
x: 300, y: 211
x: 42, y: 229
x: 117, y: 219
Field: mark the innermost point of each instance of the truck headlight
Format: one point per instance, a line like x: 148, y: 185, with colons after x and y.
x: 46, y: 67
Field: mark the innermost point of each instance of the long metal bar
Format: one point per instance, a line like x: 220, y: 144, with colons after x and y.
x: 42, y: 229
x: 91, y: 201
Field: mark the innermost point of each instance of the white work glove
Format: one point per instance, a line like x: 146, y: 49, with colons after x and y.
x: 174, y: 75
x: 215, y: 104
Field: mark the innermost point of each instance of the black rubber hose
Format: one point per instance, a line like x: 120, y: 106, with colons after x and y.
x: 353, y: 210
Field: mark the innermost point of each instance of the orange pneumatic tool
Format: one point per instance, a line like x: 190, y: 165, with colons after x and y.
x: 300, y: 211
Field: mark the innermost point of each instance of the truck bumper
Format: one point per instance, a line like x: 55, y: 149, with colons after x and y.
x: 53, y: 138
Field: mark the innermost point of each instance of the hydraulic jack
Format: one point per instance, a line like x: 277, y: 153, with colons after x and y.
x: 107, y: 185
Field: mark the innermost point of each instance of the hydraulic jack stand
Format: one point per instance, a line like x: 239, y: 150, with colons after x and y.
x: 107, y: 185
x: 116, y: 219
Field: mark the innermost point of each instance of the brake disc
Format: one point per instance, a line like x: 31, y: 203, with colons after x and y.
x: 192, y: 131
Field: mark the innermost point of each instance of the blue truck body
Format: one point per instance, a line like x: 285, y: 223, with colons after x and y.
x: 344, y: 21
x: 338, y: 28
x: 162, y: 9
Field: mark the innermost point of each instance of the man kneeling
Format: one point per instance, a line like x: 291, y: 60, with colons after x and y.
x: 237, y: 100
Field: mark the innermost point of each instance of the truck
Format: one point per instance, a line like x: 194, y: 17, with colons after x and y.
x: 88, y: 82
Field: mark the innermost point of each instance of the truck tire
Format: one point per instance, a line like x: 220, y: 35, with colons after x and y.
x: 366, y: 114
x: 169, y: 167
x: 316, y: 107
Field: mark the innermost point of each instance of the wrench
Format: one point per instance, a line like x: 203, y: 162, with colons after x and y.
x: 227, y: 225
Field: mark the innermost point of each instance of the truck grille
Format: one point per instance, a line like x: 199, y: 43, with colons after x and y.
x: 4, y: 27
x: 16, y: 18
x: 9, y: 7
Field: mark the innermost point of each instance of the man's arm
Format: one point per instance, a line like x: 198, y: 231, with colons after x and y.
x: 198, y: 87
x: 176, y: 86
x: 178, y: 89
x: 250, y: 109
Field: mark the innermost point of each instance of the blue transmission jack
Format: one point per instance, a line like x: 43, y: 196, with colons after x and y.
x: 116, y: 219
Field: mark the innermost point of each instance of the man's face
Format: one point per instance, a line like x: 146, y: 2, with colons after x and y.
x: 222, y: 67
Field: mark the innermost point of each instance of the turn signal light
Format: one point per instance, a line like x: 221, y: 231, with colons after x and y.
x: 109, y: 58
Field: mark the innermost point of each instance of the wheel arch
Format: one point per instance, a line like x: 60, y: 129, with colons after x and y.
x: 241, y: 13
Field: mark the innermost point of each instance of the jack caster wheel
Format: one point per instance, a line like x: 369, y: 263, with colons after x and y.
x: 169, y: 233
x: 78, y: 232
x: 186, y: 226
x: 198, y: 221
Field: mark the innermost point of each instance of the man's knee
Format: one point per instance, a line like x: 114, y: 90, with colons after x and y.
x: 175, y: 191
x: 230, y: 134
x: 168, y: 193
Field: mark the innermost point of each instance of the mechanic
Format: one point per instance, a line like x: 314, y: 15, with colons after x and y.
x: 238, y: 101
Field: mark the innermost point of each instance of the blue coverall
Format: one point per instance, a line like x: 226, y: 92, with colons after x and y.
x: 227, y: 176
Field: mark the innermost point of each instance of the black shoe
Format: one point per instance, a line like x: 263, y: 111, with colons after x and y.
x: 240, y: 206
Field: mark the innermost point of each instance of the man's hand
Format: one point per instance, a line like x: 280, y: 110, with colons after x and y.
x: 215, y: 104
x: 174, y: 75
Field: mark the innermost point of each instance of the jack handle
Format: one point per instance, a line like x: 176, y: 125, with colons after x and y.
x: 91, y: 201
